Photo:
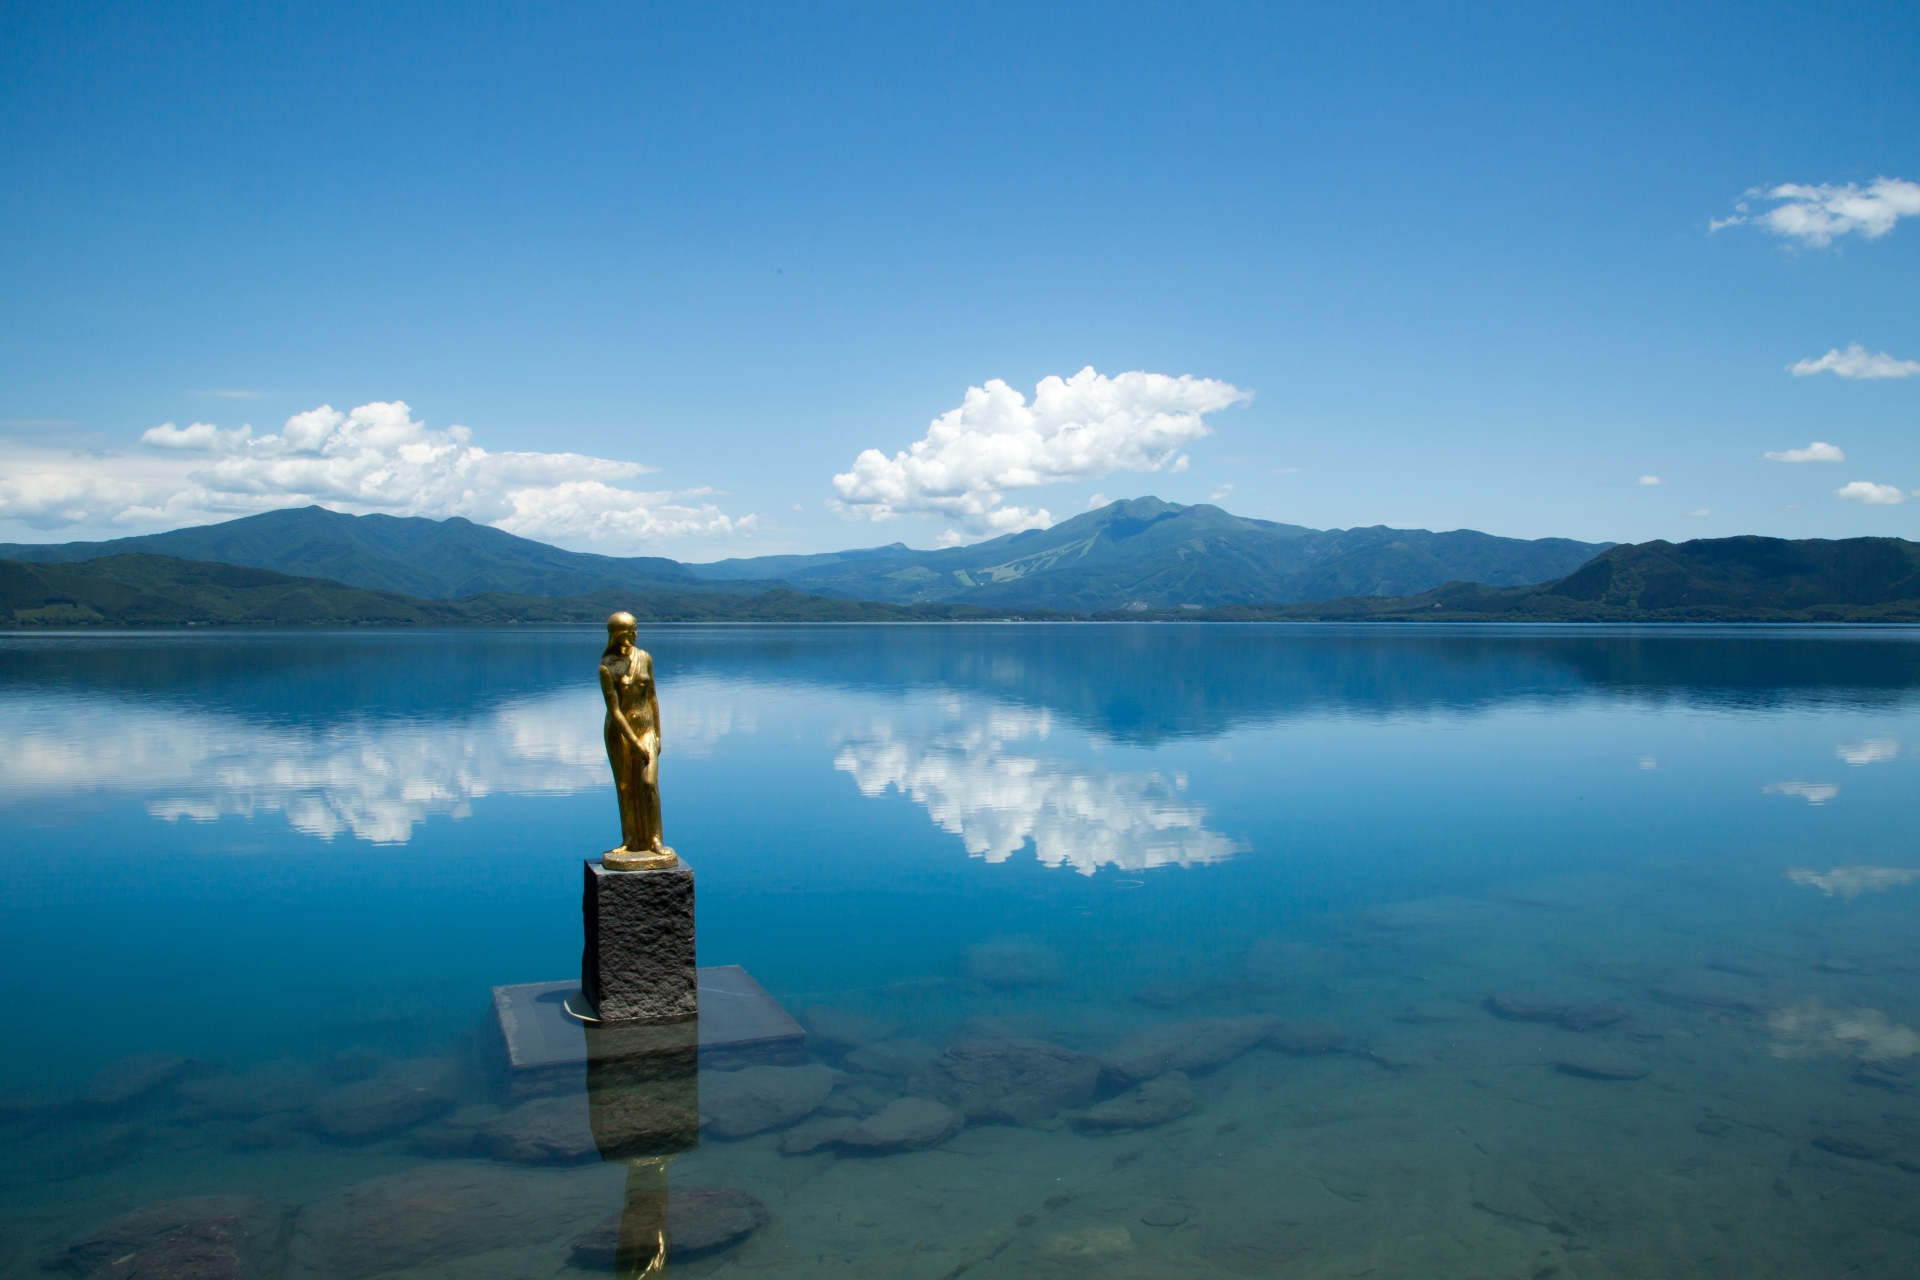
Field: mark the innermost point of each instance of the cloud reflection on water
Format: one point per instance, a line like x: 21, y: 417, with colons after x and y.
x: 1811, y: 1030
x: 1812, y: 792
x: 996, y: 799
x: 374, y: 778
x: 1869, y: 751
x: 1851, y: 882
x: 377, y: 779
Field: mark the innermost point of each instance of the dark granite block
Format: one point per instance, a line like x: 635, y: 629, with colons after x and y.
x: 639, y: 958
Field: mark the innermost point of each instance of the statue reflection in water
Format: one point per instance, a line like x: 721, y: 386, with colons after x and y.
x: 643, y: 1100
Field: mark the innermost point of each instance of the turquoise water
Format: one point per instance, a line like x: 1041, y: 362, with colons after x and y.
x: 297, y: 863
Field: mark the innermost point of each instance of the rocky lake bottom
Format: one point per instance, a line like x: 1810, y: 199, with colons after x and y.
x: 1489, y: 1085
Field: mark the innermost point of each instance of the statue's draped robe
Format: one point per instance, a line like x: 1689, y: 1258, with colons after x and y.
x: 639, y: 796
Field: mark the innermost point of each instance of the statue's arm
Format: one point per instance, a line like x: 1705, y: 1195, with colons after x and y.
x: 612, y: 696
x: 653, y: 708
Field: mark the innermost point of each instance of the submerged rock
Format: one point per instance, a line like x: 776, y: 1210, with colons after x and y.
x: 1898, y: 1074
x: 402, y: 1095
x: 270, y: 1088
x: 832, y: 1032
x: 1436, y: 1011
x: 1010, y: 1081
x: 203, y: 1238
x: 1179, y: 994
x: 1715, y: 991
x: 1005, y: 1026
x: 1599, y: 1065
x: 439, y: 1212
x: 1193, y: 1046
x: 891, y: 1058
x: 1012, y: 964
x: 907, y: 1124
x: 860, y: 1095
x: 700, y: 1221
x: 1856, y: 1141
x: 91, y: 1148
x: 268, y: 1133
x: 1163, y: 1098
x: 131, y: 1079
x: 452, y: 1137
x: 814, y: 1135
x: 1539, y: 1006
x: 542, y: 1131
x: 1303, y: 1038
x: 737, y: 1104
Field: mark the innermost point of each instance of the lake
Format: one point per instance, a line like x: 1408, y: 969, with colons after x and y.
x: 1448, y: 951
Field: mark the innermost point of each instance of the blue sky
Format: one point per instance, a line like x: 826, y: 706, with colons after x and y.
x: 1460, y: 256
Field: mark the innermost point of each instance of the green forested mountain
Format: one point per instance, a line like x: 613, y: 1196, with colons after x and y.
x: 1745, y: 579
x: 161, y: 591
x: 430, y: 559
x: 1712, y: 580
x: 1145, y: 551
x: 1137, y: 551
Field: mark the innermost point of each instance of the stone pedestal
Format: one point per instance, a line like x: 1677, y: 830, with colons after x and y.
x: 639, y: 959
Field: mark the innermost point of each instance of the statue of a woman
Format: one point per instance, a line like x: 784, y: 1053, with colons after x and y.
x: 633, y: 747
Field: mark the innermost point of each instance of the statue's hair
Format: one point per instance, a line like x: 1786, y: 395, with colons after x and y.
x: 622, y: 621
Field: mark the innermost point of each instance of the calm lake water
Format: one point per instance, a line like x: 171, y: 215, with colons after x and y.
x: 1486, y: 952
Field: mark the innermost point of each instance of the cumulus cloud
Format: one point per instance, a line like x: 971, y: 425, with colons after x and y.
x: 1870, y: 494
x: 1818, y: 451
x: 375, y: 458
x: 1650, y: 480
x: 1076, y: 428
x: 1855, y: 362
x: 1816, y: 215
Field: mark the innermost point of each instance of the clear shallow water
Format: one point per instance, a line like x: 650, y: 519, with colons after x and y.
x: 301, y: 861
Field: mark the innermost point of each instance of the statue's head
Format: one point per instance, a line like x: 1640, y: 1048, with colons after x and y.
x: 621, y: 626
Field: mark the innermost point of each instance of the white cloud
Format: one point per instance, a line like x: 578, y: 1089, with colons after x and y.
x: 1703, y: 511
x: 373, y: 459
x: 1871, y: 494
x: 201, y: 437
x: 1818, y: 451
x: 1869, y: 751
x: 1854, y: 362
x: 1812, y: 792
x: 1077, y: 428
x: 1815, y: 215
x: 1650, y: 480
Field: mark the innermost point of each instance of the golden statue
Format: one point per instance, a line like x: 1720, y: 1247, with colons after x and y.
x: 633, y: 748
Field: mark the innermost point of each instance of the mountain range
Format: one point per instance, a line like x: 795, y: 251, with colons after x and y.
x: 1136, y: 553
x: 1745, y: 579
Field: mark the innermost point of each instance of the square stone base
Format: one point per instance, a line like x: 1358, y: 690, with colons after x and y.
x: 639, y: 959
x: 547, y: 1049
